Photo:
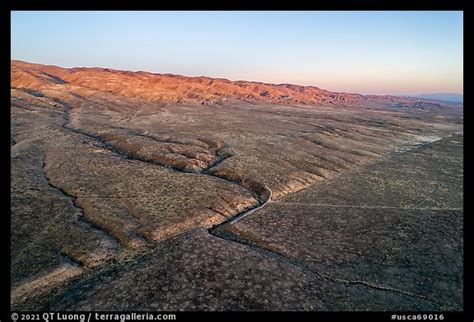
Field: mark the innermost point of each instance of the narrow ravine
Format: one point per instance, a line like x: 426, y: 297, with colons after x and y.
x: 82, y: 217
x: 262, y: 198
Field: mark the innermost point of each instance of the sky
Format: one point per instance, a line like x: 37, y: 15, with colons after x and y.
x: 375, y: 52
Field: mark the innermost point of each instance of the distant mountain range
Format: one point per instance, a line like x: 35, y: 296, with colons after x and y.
x: 446, y: 97
x: 177, y: 89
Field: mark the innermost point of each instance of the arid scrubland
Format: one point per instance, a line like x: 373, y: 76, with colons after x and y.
x: 124, y: 187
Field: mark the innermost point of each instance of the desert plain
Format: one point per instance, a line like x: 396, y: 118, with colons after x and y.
x: 141, y: 191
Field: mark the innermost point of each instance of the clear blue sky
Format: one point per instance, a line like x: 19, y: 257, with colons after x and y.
x: 365, y: 52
